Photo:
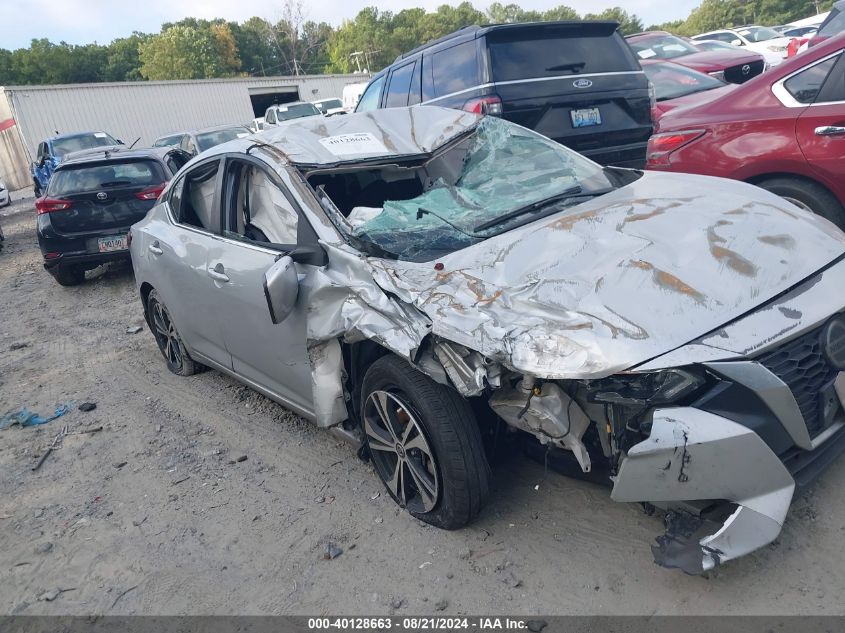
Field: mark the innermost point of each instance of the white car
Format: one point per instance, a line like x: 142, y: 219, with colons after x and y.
x: 760, y: 39
x: 5, y: 200
x: 330, y: 107
x: 277, y: 114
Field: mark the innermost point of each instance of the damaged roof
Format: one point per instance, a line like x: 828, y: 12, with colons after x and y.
x: 386, y: 133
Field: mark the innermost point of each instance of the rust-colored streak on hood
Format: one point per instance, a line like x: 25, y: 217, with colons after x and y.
x: 619, y: 279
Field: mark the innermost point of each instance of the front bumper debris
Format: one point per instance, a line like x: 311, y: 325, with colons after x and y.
x: 692, y: 455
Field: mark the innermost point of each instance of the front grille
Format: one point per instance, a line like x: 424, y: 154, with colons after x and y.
x: 735, y: 75
x: 801, y: 364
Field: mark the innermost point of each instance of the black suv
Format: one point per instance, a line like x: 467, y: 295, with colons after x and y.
x: 92, y: 200
x: 576, y: 82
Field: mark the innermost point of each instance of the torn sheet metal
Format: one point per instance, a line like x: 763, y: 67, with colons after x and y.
x: 692, y: 455
x: 619, y: 279
x: 382, y: 133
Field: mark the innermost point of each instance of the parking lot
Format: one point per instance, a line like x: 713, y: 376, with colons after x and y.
x: 200, y: 496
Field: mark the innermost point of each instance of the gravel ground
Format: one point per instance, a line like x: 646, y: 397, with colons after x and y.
x: 157, y: 514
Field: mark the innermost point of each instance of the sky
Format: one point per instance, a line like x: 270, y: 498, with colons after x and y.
x: 85, y: 21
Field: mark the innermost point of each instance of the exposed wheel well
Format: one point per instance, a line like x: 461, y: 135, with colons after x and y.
x: 357, y: 358
x: 146, y: 289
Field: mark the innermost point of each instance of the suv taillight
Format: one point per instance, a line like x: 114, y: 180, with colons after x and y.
x: 48, y: 205
x: 152, y: 193
x: 490, y: 105
x: 660, y: 146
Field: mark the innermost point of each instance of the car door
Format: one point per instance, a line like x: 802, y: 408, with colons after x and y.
x: 261, y: 223
x: 42, y: 166
x: 179, y: 252
x: 820, y: 129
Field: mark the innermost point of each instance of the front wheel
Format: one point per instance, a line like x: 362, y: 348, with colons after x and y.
x: 169, y: 342
x: 808, y: 196
x: 425, y: 444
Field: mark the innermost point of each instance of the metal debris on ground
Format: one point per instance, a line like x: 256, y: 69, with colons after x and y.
x: 133, y: 329
x: 237, y: 460
x: 87, y: 406
x: 25, y: 417
x: 52, y: 446
x: 332, y: 551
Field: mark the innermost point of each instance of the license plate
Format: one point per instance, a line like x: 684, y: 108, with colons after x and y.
x: 585, y: 117
x: 112, y: 243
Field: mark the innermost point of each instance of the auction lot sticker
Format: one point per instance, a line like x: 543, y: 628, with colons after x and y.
x: 353, y: 144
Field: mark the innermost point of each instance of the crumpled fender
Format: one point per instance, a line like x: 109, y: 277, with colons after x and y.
x: 694, y: 455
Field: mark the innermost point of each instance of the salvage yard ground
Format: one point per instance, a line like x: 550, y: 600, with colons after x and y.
x: 158, y: 514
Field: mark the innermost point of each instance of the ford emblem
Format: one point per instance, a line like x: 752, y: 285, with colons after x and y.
x: 102, y: 195
x: 582, y: 83
x: 746, y: 69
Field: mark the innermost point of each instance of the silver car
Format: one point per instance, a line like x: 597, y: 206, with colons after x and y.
x: 431, y: 283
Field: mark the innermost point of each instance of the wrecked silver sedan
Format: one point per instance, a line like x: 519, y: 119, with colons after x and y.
x: 432, y: 282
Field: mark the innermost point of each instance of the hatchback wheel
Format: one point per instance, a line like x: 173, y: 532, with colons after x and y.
x: 168, y: 339
x: 808, y: 196
x: 68, y: 275
x: 424, y: 443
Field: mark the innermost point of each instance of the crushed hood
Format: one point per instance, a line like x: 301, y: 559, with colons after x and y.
x: 620, y: 279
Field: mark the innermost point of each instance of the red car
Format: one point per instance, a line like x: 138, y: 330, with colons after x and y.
x: 677, y: 86
x: 783, y: 131
x: 735, y: 67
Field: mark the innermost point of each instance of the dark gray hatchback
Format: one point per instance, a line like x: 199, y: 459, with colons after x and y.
x: 92, y: 200
x: 576, y: 82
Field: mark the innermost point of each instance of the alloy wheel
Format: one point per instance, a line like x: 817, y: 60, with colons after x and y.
x: 166, y: 335
x: 400, y: 451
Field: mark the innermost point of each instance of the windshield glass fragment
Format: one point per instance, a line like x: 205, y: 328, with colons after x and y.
x: 420, y: 210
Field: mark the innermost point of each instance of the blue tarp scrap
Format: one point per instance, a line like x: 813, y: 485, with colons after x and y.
x: 25, y: 417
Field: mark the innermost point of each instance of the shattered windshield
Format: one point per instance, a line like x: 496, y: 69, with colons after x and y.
x: 497, y: 177
x: 67, y: 145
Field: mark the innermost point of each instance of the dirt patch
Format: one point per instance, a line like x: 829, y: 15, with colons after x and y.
x: 157, y: 513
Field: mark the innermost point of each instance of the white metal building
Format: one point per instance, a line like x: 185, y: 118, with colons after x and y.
x: 147, y: 109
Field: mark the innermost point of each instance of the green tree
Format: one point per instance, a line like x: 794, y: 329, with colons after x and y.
x: 184, y: 51
x: 123, y: 62
x: 256, y: 46
x: 628, y: 22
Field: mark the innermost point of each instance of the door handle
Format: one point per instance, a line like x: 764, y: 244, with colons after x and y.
x: 154, y: 249
x: 830, y: 130
x: 218, y: 273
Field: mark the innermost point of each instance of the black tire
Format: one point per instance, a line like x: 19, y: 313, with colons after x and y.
x: 809, y: 195
x: 444, y: 445
x: 167, y: 337
x: 68, y: 275
x: 36, y: 188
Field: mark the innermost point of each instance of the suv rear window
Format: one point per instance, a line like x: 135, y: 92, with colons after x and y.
x: 551, y: 52
x: 99, y: 177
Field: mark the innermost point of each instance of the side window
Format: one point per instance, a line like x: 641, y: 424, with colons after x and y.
x: 399, y: 86
x: 192, y: 199
x: 369, y: 100
x: 427, y: 82
x: 257, y: 209
x: 414, y: 96
x: 455, y: 69
x: 834, y: 86
x: 270, y: 116
x: 176, y: 160
x: 805, y: 86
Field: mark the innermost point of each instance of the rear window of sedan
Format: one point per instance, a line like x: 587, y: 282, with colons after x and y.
x: 70, y: 144
x: 101, y: 176
x: 207, y: 140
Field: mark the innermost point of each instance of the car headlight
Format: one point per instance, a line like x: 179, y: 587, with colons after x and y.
x: 650, y: 388
x: 718, y: 74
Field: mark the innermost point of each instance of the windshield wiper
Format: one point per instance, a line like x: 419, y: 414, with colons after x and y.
x: 528, y: 208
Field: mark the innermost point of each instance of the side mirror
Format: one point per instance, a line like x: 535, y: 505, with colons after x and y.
x: 119, y: 142
x: 281, y: 288
x: 737, y: 42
